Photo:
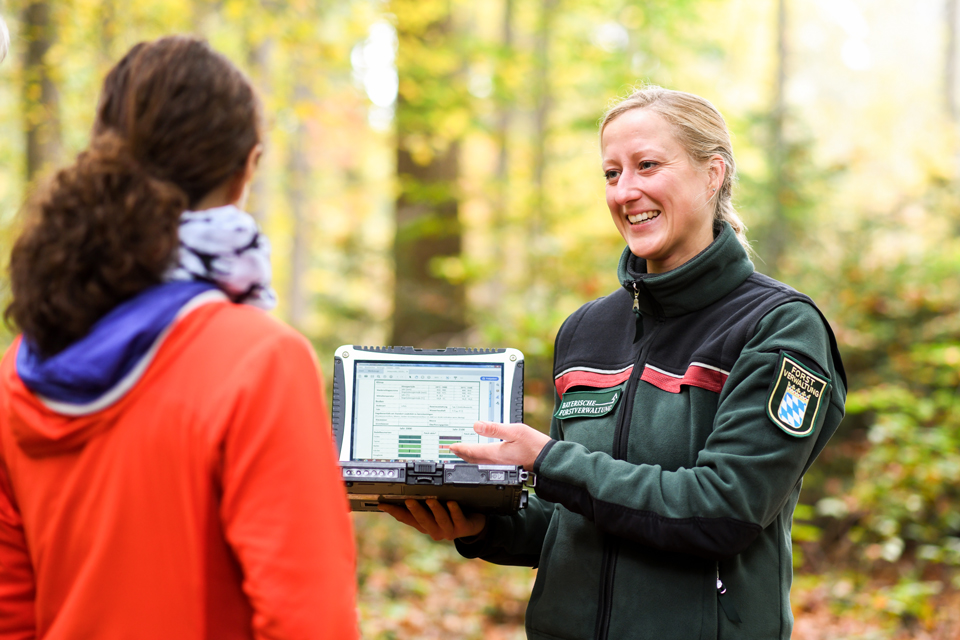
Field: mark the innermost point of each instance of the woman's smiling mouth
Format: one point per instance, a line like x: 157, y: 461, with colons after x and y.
x: 643, y: 216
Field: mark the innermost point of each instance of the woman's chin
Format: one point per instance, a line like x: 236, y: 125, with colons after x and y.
x: 646, y: 248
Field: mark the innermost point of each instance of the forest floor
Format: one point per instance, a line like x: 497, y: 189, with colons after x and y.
x: 411, y: 588
x: 828, y: 607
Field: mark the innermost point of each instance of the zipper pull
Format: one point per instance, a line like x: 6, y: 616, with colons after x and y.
x: 728, y: 609
x: 638, y: 331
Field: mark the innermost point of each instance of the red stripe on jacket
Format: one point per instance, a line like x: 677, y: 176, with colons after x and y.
x: 579, y: 378
x: 696, y: 376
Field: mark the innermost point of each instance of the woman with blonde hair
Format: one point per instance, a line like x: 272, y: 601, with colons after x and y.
x: 689, y: 404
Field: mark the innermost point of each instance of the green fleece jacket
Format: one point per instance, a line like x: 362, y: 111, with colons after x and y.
x: 689, y: 406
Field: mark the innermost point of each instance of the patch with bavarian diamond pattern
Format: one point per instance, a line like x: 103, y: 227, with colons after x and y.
x: 796, y: 397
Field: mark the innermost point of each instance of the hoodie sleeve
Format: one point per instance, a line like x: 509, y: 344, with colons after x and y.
x: 284, y: 507
x: 743, y: 476
x: 17, y: 621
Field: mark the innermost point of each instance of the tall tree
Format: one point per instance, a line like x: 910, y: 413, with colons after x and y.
x: 429, y: 304
x: 298, y: 171
x: 201, y: 11
x: 108, y: 30
x: 778, y: 229
x: 40, y: 97
x: 950, y: 61
x: 502, y: 127
x: 258, y: 62
x: 542, y: 114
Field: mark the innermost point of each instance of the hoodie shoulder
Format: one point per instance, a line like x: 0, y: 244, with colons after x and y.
x: 202, y: 355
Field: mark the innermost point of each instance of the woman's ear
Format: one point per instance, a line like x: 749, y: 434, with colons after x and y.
x: 717, y: 169
x: 240, y: 183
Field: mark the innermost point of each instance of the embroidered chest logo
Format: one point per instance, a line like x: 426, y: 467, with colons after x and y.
x: 588, y: 404
x: 796, y: 397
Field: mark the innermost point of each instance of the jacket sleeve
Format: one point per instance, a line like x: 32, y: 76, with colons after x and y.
x: 743, y: 476
x: 284, y: 508
x: 515, y: 539
x: 512, y: 540
x: 17, y: 589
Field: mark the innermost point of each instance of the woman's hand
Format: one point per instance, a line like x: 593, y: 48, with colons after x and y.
x: 438, y: 523
x: 521, y: 445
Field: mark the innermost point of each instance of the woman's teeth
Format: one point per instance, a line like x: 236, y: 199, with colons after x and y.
x: 640, y: 217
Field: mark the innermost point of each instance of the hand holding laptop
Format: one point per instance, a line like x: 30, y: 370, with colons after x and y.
x: 438, y: 522
x: 521, y: 445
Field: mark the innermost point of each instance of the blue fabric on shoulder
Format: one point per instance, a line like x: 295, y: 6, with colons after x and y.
x: 90, y: 367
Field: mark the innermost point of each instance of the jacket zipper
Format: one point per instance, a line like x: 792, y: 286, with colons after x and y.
x: 611, y: 546
x: 728, y: 609
x: 622, y: 432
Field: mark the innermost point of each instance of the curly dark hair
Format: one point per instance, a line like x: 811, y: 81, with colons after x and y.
x: 175, y: 120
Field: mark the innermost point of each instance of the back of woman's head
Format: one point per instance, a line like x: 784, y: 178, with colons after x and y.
x: 175, y: 121
x: 700, y: 130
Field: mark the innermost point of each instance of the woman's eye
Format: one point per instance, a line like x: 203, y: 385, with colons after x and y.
x: 611, y: 175
x: 647, y: 164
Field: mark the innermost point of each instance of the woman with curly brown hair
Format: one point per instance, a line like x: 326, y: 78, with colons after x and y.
x: 166, y: 469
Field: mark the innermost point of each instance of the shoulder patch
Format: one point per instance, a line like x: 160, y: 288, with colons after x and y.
x: 588, y: 404
x: 796, y: 396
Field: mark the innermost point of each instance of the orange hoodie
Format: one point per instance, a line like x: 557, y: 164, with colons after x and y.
x: 206, y: 503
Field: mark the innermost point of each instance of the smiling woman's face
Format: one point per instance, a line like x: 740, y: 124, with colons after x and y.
x: 661, y: 202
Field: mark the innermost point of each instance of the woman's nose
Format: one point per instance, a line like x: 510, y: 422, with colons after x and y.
x: 627, y: 189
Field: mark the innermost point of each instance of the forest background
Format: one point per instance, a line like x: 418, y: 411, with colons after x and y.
x: 432, y: 177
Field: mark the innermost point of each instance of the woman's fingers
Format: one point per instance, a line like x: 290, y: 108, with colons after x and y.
x: 477, y: 453
x: 520, y: 445
x: 464, y: 526
x: 437, y: 521
x: 456, y: 514
x: 442, y: 519
x: 401, y: 514
x: 414, y: 515
x: 424, y: 518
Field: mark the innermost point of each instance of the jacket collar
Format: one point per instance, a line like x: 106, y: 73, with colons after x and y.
x: 709, y: 276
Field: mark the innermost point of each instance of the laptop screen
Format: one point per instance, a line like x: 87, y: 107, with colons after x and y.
x: 415, y: 411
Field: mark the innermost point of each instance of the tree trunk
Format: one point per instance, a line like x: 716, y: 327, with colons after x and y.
x: 950, y: 62
x: 41, y: 100
x: 541, y: 119
x: 779, y: 225
x: 298, y: 170
x: 258, y: 60
x: 201, y: 12
x: 502, y: 132
x: 108, y: 31
x: 429, y: 306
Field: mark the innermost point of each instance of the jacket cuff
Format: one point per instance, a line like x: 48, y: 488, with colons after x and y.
x: 543, y: 454
x: 475, y: 546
